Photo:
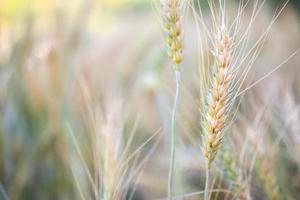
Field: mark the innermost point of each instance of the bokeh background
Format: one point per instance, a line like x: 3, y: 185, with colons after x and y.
x: 61, y: 61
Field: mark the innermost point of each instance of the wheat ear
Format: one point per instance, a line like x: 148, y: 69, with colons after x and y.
x: 234, y: 174
x: 217, y: 98
x: 172, y: 20
x: 173, y: 27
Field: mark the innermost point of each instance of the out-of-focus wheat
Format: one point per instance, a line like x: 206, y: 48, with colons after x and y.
x: 269, y: 180
x: 234, y: 175
x: 109, y: 175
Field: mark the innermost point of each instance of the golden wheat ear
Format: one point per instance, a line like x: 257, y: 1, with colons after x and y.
x: 172, y: 23
x: 217, y: 95
x: 218, y: 90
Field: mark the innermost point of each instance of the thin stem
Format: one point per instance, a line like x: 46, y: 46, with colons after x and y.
x: 3, y: 193
x: 206, y: 197
x: 173, y: 135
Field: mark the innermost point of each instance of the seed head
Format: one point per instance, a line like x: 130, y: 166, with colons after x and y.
x: 172, y: 21
x: 218, y: 96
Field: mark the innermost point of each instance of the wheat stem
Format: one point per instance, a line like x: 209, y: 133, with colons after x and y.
x: 206, y: 190
x: 173, y: 135
x: 3, y: 193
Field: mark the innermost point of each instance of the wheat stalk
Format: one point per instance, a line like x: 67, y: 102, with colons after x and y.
x: 217, y: 99
x: 172, y: 23
x: 227, y: 76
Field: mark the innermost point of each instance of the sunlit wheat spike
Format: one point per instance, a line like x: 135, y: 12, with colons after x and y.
x: 217, y: 97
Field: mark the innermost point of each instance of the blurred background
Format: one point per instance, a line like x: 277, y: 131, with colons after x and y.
x: 67, y: 67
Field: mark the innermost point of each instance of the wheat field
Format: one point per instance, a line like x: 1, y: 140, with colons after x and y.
x: 149, y: 99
